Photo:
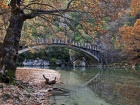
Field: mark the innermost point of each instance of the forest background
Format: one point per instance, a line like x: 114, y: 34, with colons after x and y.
x: 112, y: 24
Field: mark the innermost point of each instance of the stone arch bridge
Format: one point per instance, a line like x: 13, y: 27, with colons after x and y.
x: 92, y: 51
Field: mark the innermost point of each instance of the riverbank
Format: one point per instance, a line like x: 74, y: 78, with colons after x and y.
x: 30, y: 88
x: 34, y: 76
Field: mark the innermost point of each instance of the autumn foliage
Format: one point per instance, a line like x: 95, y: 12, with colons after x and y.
x: 130, y: 35
x: 94, y: 11
x: 135, y: 7
x: 3, y: 4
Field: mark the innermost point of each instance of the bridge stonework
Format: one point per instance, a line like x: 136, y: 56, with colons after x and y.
x: 93, y: 51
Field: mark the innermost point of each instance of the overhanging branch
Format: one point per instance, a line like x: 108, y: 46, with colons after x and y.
x: 68, y: 5
x: 37, y: 12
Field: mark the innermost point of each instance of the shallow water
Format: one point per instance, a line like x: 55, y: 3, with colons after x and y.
x: 79, y: 93
x: 93, y: 86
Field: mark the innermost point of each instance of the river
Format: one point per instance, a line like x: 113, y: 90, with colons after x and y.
x: 94, y: 86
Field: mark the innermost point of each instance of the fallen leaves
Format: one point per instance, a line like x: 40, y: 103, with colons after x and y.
x: 35, y: 76
x: 30, y: 88
x: 31, y: 95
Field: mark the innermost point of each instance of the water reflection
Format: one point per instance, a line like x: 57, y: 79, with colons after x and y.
x: 79, y: 93
x: 118, y: 87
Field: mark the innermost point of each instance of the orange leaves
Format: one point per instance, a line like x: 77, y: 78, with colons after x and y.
x: 127, y: 30
x: 129, y: 33
x: 135, y: 7
x: 99, y: 9
x: 136, y: 29
x: 113, y: 7
x: 130, y: 38
x: 137, y: 23
x: 3, y: 4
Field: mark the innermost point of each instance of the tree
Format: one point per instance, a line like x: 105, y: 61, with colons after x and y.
x: 21, y: 10
x: 130, y: 35
x: 131, y: 40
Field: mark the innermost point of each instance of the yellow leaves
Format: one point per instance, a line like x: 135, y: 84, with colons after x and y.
x: 27, y: 36
x: 137, y: 23
x: 27, y: 2
x: 49, y: 18
x: 31, y: 50
x: 117, y: 44
x: 3, y: 25
x: 76, y: 4
x: 61, y: 35
x: 135, y: 7
x: 57, y: 4
x: 84, y: 5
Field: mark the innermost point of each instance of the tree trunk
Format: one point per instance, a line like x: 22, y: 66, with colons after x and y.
x: 10, y: 48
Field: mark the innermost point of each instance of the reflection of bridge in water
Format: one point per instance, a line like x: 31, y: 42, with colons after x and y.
x: 116, y: 86
x: 92, y: 51
x: 110, y: 75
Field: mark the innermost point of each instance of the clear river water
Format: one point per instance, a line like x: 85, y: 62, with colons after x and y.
x: 94, y: 86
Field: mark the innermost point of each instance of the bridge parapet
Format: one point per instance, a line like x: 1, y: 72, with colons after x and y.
x: 46, y: 41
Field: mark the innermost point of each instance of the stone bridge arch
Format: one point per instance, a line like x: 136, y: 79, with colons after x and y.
x: 92, y: 51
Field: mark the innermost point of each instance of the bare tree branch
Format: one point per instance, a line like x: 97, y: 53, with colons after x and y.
x: 13, y: 3
x: 68, y: 5
x: 37, y: 4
